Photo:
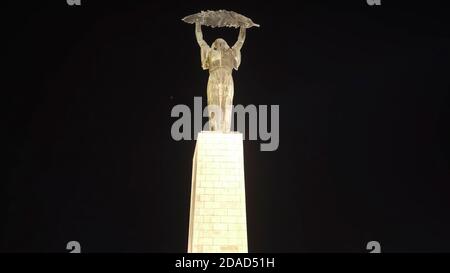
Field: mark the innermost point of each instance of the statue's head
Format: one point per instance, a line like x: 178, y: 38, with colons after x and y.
x: 220, y: 44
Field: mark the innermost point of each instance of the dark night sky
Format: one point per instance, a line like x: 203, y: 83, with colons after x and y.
x: 364, y: 115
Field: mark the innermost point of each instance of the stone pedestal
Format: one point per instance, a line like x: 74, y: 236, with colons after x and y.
x: 217, y: 215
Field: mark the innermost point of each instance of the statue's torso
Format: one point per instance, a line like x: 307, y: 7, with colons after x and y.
x: 221, y: 59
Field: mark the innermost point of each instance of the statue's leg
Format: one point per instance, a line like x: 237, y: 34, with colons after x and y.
x: 228, y: 105
x: 213, y: 102
x: 221, y: 109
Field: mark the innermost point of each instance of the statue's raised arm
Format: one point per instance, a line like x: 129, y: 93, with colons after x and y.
x: 241, y: 39
x: 199, y: 35
x: 204, y: 47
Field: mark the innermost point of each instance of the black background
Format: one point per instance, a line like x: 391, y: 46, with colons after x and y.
x: 364, y: 115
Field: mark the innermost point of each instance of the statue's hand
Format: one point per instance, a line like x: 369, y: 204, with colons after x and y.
x: 198, y: 22
x: 198, y: 26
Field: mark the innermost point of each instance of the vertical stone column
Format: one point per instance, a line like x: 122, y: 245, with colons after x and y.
x: 218, y: 215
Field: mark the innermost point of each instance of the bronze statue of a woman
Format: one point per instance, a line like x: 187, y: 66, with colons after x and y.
x: 220, y: 60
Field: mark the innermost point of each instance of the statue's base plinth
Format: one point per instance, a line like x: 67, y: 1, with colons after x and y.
x: 218, y: 216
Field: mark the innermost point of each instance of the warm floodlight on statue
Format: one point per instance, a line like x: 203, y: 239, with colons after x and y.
x: 220, y: 59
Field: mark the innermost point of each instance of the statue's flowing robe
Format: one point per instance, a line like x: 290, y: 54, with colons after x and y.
x: 220, y: 88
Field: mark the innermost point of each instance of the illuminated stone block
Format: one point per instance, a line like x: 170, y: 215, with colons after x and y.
x: 217, y: 221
